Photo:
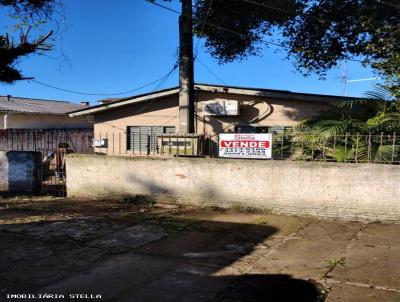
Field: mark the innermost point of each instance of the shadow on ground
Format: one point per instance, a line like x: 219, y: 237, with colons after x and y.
x: 137, y: 253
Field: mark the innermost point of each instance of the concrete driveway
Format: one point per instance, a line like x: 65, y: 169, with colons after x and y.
x: 116, y: 251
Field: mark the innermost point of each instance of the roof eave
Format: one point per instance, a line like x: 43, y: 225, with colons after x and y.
x: 36, y: 113
x: 279, y: 94
x: 124, y: 102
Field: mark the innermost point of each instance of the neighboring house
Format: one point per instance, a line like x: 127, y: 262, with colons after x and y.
x: 27, y: 113
x: 43, y: 125
x: 130, y: 125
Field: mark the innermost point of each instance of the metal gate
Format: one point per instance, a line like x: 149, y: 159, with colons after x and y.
x: 54, y: 145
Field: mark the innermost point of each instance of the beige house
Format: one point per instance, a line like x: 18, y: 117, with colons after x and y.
x: 27, y: 113
x: 131, y: 125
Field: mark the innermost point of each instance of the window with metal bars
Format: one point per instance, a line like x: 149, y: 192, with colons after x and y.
x: 143, y: 139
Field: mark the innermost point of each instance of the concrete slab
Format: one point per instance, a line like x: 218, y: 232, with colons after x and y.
x: 301, y: 258
x: 350, y: 293
x: 182, y: 283
x: 133, y: 237
x: 330, y: 231
x: 114, y: 276
x: 273, y: 288
x: 376, y: 265
x: 381, y: 234
x: 195, y: 255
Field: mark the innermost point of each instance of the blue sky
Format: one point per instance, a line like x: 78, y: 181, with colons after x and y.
x: 115, y: 46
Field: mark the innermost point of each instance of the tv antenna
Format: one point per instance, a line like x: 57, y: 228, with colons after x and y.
x: 345, y: 79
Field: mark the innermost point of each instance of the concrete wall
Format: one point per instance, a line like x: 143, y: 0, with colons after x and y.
x: 164, y: 112
x: 20, y: 172
x: 348, y: 191
x: 44, y: 121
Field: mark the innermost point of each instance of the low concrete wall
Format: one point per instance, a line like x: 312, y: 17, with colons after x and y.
x: 348, y: 191
x: 20, y: 172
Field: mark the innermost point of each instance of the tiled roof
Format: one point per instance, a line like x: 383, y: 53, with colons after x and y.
x: 36, y: 106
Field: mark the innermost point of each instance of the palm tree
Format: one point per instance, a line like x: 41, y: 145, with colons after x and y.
x: 356, y: 131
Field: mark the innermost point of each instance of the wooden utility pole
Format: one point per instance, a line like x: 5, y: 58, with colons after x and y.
x: 186, y: 73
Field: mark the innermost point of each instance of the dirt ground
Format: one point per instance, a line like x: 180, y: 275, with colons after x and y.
x: 122, y: 251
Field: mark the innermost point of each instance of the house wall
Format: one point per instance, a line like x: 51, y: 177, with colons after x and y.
x: 347, y: 191
x: 44, y: 121
x: 112, y: 124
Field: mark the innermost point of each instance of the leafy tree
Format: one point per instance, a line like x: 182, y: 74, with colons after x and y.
x: 29, y: 14
x: 317, y: 34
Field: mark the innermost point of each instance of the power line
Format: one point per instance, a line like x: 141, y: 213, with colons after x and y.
x: 389, y: 4
x: 212, y: 24
x: 140, y: 110
x: 145, y: 106
x: 210, y: 71
x: 203, y: 26
x: 167, y: 76
x: 107, y: 94
x: 292, y: 12
x: 272, y: 7
x: 229, y: 30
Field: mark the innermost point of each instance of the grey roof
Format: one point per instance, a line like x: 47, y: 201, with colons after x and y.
x: 109, y: 100
x: 36, y: 106
x: 107, y: 104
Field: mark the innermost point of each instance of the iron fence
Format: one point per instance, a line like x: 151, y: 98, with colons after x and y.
x: 381, y: 148
x: 53, y: 144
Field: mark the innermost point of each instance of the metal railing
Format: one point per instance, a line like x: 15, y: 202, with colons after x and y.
x: 288, y: 145
x: 381, y: 148
x: 53, y: 144
x: 77, y: 140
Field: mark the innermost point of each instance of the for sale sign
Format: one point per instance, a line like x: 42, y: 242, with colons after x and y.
x: 245, y: 145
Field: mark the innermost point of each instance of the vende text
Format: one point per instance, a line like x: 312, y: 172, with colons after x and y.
x: 245, y: 144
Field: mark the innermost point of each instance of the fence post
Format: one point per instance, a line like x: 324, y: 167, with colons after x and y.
x: 177, y: 145
x: 193, y: 144
x: 113, y: 143
x: 140, y: 142
x: 393, y: 146
x: 369, y: 148
x: 148, y: 144
x: 312, y: 145
x: 217, y: 154
x: 209, y: 145
x: 345, y: 148
x: 184, y: 148
x: 119, y: 143
x: 356, y: 158
x: 334, y: 143
x: 291, y: 145
x: 101, y: 149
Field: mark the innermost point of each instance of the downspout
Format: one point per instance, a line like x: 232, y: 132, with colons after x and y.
x: 5, y: 120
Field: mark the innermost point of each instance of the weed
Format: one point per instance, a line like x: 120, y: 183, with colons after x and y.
x: 137, y: 199
x: 336, y: 262
x: 333, y: 263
